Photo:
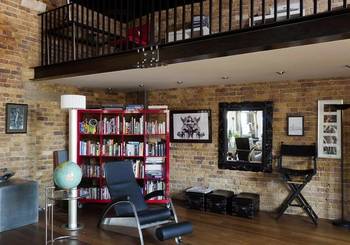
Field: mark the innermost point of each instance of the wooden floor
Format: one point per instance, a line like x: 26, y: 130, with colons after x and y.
x: 209, y: 229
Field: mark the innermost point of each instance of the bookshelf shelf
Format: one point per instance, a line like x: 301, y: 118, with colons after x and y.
x: 141, y: 136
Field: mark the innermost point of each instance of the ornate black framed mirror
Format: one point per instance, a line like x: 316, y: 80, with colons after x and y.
x: 245, y: 136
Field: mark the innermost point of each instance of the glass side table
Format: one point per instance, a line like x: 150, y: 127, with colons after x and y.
x: 51, y: 196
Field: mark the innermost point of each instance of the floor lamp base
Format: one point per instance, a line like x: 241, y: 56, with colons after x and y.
x: 79, y: 227
x: 342, y: 223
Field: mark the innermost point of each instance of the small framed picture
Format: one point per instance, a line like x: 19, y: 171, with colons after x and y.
x: 295, y: 125
x: 16, y: 118
x: 190, y: 126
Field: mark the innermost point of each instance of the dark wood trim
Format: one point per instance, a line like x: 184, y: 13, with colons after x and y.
x: 300, y: 31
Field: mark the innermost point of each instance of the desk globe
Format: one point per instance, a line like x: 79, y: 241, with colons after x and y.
x: 67, y: 175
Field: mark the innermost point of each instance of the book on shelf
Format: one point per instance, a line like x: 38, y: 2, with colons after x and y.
x: 89, y: 148
x: 111, y: 148
x: 98, y: 193
x: 90, y: 171
x: 112, y: 107
x: 156, y: 148
x: 134, y: 148
x: 110, y: 125
x: 133, y: 125
x: 154, y: 185
x: 138, y: 168
x: 155, y: 127
x: 157, y: 107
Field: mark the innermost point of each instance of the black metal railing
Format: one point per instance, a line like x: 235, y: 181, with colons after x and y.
x: 93, y: 28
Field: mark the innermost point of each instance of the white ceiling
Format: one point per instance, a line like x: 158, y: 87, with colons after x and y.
x: 316, y: 61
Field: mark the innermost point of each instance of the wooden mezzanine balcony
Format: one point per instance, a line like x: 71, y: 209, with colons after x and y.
x: 95, y: 36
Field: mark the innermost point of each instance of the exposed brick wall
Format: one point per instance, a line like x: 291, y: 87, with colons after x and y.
x: 197, y: 164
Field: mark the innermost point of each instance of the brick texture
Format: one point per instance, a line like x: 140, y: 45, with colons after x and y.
x: 197, y: 164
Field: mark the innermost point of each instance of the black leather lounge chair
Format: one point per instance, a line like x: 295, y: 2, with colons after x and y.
x: 131, y: 210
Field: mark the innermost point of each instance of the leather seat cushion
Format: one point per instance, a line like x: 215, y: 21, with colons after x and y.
x: 153, y: 215
x: 173, y: 230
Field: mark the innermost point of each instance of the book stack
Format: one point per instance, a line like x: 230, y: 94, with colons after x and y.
x: 138, y: 168
x: 134, y: 148
x: 133, y: 126
x: 134, y: 108
x: 154, y: 167
x: 155, y: 127
x: 155, y: 148
x: 154, y: 186
x: 90, y: 171
x: 110, y: 125
x: 89, y: 148
x: 111, y: 148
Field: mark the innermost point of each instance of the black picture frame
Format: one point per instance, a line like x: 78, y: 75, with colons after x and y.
x: 289, y: 125
x: 16, y: 118
x: 266, y: 164
x: 174, y: 115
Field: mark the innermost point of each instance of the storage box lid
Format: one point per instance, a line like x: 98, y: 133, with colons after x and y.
x: 222, y: 193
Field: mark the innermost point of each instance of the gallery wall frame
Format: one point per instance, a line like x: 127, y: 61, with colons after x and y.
x: 295, y: 125
x: 16, y: 118
x: 329, y: 129
x: 190, y: 126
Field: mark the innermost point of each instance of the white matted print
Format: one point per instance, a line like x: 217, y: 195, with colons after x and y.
x: 329, y: 129
x: 190, y: 126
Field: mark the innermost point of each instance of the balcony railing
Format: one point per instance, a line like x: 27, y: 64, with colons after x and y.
x: 92, y: 28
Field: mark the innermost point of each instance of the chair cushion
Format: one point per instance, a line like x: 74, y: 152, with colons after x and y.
x: 153, y: 215
x: 170, y: 231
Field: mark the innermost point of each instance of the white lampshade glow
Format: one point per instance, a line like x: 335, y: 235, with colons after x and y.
x: 71, y: 101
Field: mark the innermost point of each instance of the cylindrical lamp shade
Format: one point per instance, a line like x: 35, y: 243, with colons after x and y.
x: 71, y: 101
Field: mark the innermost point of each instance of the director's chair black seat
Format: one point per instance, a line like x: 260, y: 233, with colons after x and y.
x: 297, y: 179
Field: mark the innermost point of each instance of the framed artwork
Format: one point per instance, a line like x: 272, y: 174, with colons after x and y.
x: 329, y: 129
x: 295, y: 125
x: 16, y: 118
x: 190, y: 126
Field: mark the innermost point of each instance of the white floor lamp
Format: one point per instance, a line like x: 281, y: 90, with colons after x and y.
x: 73, y: 103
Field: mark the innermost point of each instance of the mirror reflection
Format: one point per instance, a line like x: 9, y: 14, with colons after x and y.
x: 245, y: 136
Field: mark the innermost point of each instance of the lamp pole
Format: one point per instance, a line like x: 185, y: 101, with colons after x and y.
x: 342, y: 222
x: 72, y: 103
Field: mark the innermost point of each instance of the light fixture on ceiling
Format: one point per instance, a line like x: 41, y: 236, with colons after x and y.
x: 141, y: 85
x: 281, y: 73
x: 347, y: 66
x: 180, y: 82
x: 224, y: 77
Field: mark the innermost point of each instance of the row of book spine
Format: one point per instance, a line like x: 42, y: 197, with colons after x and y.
x: 92, y: 171
x: 89, y: 148
x: 134, y: 148
x: 156, y: 149
x: 99, y: 193
x: 138, y: 168
x: 111, y: 148
x: 155, y: 127
x: 110, y: 125
x: 134, y: 125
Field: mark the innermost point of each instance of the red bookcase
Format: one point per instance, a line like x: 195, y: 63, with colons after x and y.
x: 141, y: 136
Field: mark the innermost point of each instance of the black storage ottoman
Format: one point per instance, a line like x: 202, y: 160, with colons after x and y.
x: 245, y: 204
x: 197, y: 198
x: 220, y: 201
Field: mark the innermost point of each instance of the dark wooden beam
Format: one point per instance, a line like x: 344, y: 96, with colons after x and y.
x: 306, y: 30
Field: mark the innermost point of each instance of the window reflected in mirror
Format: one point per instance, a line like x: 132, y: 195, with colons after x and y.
x: 244, y: 132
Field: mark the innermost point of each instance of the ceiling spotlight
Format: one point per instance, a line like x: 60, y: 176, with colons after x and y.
x: 180, y: 82
x: 281, y: 73
x: 141, y: 85
x: 224, y: 77
x: 347, y: 66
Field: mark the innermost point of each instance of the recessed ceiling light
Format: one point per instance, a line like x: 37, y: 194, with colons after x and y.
x: 347, y: 66
x: 224, y: 77
x: 180, y: 82
x: 281, y: 73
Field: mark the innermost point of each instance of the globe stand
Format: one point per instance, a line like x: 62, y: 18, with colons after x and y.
x: 72, y: 224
